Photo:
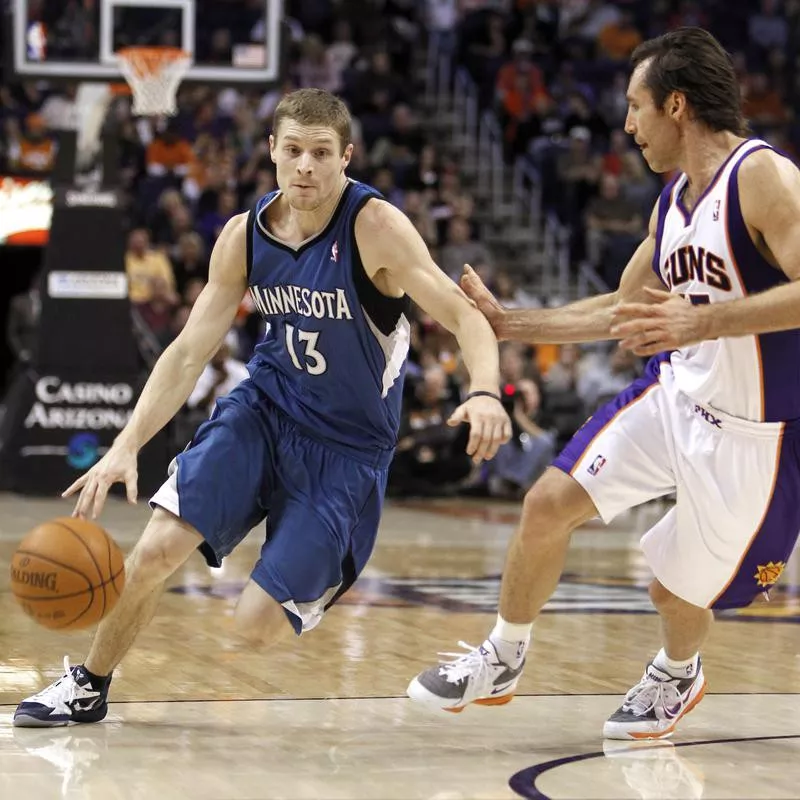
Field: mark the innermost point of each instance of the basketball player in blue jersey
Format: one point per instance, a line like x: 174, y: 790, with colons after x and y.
x: 307, y: 439
x: 713, y: 295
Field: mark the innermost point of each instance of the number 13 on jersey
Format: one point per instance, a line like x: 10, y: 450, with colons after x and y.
x: 313, y: 362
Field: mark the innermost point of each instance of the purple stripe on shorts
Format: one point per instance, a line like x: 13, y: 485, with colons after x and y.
x: 590, y: 429
x: 775, y: 539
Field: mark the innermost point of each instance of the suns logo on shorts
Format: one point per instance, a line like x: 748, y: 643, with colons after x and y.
x: 768, y: 574
x: 596, y: 465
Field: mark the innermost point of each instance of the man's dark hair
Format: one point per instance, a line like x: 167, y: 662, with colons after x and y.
x: 693, y: 62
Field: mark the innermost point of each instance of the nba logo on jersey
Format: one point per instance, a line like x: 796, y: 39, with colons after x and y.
x: 36, y: 41
x: 335, y: 252
x: 596, y: 465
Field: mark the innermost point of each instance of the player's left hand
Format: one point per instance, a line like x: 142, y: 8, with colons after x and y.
x: 489, y: 426
x: 669, y: 322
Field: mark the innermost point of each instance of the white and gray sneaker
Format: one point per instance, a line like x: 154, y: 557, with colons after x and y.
x: 70, y: 699
x: 653, y: 707
x: 477, y: 676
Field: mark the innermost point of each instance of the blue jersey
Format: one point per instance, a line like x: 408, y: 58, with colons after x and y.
x: 333, y: 358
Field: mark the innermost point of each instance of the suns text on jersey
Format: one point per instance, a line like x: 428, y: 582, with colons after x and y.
x: 290, y: 299
x: 691, y: 263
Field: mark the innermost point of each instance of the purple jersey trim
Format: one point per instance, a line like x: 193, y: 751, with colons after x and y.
x: 779, y: 353
x: 664, y: 202
x: 687, y: 215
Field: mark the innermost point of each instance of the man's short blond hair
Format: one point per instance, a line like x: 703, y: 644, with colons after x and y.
x: 315, y: 107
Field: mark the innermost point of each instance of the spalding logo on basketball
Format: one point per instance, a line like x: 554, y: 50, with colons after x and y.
x: 67, y: 574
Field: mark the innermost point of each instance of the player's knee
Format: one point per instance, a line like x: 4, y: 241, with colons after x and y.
x: 554, y: 505
x: 660, y: 596
x: 259, y: 619
x: 163, y: 547
x: 255, y: 634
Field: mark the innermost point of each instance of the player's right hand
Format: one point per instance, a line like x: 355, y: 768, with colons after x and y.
x: 118, y: 465
x: 487, y: 304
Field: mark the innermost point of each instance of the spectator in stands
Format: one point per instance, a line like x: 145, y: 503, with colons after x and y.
x: 430, y: 454
x: 142, y: 263
x: 383, y: 181
x: 341, y: 53
x: 169, y: 155
x: 514, y: 363
x: 768, y: 29
x: 523, y: 107
x: 157, y: 311
x: 485, y: 52
x: 563, y: 375
x: 218, y: 378
x: 564, y: 411
x: 613, y: 104
x: 314, y: 68
x: 506, y: 288
x: 214, y: 221
x: 459, y: 249
x: 762, y: 104
x: 442, y: 18
x: 617, y: 40
x: 378, y: 88
x: 190, y: 260
x: 416, y: 206
x: 160, y: 222
x: 522, y: 460
x: 22, y: 325
x: 521, y: 66
x: 192, y: 291
x: 603, y: 377
x: 34, y: 150
x: 181, y: 222
x: 578, y: 173
x: 579, y: 113
x: 614, y: 228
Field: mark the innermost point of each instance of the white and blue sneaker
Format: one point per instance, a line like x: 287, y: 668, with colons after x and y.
x: 70, y: 699
x: 477, y: 676
x: 653, y: 707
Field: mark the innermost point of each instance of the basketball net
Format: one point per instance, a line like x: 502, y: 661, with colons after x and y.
x: 154, y: 74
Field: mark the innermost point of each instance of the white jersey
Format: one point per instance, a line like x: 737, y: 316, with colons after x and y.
x: 708, y: 255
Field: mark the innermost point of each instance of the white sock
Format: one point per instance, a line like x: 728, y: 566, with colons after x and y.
x: 511, y: 640
x: 678, y: 669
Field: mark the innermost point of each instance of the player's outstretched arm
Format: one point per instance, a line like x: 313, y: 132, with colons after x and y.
x: 587, y: 320
x: 175, y: 372
x: 396, y: 258
x: 769, y: 192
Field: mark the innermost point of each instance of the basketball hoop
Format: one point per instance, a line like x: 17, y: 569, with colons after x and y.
x: 154, y: 74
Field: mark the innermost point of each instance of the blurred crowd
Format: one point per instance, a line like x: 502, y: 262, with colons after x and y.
x: 555, y: 74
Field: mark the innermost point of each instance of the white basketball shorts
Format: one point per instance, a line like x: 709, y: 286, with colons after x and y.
x: 737, y: 482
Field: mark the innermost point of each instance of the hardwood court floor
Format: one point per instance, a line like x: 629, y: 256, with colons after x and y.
x: 325, y: 716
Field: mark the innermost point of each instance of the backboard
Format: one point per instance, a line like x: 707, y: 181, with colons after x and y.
x: 235, y: 42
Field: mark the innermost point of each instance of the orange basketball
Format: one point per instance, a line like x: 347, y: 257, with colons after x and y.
x: 67, y: 573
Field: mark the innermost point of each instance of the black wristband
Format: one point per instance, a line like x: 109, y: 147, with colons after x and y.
x: 482, y: 393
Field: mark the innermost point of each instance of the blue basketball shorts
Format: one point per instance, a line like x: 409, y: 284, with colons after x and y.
x: 248, y: 462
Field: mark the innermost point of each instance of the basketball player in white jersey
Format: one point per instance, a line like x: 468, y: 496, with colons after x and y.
x: 712, y: 294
